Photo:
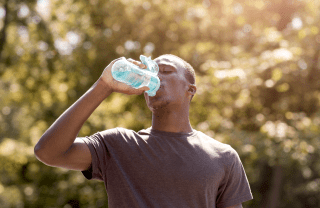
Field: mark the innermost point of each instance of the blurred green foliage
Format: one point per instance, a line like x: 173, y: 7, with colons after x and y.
x: 258, y: 71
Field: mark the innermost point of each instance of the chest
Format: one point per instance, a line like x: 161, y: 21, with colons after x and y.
x: 173, y: 162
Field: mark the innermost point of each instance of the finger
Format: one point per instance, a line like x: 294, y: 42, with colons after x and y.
x: 118, y: 59
x: 138, y: 63
x: 133, y: 61
x: 142, y: 66
x: 145, y: 88
x: 112, y: 62
x: 140, y: 92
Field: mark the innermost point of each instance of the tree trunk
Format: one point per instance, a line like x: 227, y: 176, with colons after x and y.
x: 3, y: 31
x: 275, y: 189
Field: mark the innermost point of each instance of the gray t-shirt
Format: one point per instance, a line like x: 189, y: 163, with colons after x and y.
x: 153, y: 168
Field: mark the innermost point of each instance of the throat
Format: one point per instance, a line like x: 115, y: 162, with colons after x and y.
x: 171, y: 122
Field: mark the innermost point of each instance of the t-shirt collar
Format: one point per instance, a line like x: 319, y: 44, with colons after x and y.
x: 165, y: 133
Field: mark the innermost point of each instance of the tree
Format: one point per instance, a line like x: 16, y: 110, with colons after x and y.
x: 257, y: 66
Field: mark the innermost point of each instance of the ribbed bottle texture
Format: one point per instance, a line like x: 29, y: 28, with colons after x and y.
x: 130, y: 74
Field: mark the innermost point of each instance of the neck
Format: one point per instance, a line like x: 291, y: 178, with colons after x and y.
x: 176, y: 121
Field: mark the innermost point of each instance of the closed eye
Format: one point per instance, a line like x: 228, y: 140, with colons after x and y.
x: 166, y: 69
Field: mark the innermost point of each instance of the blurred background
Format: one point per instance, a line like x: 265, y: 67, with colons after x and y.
x: 258, y: 71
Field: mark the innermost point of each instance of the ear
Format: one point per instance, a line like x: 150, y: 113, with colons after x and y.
x: 192, y: 89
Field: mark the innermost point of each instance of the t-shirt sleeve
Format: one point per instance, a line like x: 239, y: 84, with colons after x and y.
x: 99, y: 152
x: 235, y: 188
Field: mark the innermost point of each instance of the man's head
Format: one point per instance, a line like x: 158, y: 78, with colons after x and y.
x: 177, y: 79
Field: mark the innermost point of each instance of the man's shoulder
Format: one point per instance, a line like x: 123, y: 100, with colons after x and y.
x: 220, y: 147
x: 108, y: 132
x: 212, y: 140
x: 118, y: 132
x: 115, y: 130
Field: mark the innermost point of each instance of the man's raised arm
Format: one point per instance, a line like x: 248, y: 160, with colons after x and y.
x: 57, y: 146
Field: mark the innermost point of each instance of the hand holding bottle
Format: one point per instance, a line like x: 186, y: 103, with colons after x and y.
x: 121, y: 87
x: 137, y: 77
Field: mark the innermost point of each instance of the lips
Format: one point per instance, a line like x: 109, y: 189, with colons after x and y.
x: 159, y: 90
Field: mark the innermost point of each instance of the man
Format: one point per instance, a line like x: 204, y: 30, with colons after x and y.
x: 167, y: 165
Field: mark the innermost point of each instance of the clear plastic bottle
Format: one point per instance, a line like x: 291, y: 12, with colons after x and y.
x: 130, y: 74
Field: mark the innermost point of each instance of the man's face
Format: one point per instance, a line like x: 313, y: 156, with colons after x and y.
x: 173, y: 84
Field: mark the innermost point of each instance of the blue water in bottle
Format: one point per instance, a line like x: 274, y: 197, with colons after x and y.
x: 130, y: 74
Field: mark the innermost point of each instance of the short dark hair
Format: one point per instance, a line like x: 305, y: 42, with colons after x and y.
x: 189, y: 71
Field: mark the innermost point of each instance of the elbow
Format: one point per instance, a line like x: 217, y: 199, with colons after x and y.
x: 40, y: 151
x: 37, y: 153
x: 45, y: 156
x: 41, y: 155
x: 36, y: 149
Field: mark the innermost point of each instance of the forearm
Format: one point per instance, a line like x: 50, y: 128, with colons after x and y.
x: 62, y: 133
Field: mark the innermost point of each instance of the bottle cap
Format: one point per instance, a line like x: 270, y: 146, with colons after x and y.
x: 152, y: 66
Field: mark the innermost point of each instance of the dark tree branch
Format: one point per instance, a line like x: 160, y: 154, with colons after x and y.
x: 3, y: 35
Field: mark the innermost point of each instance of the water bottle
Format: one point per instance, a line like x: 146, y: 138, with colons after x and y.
x: 130, y: 74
